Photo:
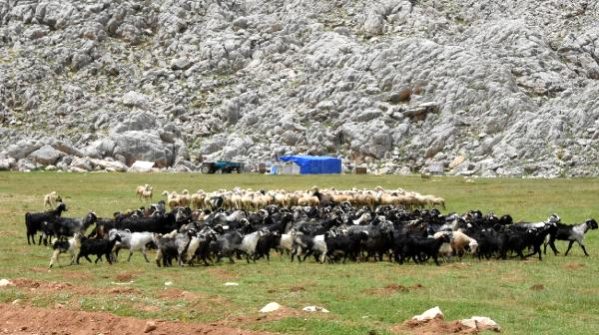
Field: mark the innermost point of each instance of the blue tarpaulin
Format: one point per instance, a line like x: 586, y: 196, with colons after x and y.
x: 315, y: 164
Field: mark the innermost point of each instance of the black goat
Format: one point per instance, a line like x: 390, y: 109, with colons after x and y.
x: 64, y: 227
x: 34, y: 221
x: 161, y: 224
x: 348, y: 244
x: 98, y: 247
x: 419, y: 249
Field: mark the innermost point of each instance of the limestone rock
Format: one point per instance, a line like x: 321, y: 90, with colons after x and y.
x: 141, y: 166
x: 46, y: 155
x: 135, y: 99
x: 7, y: 163
x: 386, y: 81
x: 429, y: 314
x: 139, y: 145
x: 481, y: 323
x: 22, y: 148
x: 270, y: 307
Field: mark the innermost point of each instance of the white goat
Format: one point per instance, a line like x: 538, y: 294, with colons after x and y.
x: 72, y: 246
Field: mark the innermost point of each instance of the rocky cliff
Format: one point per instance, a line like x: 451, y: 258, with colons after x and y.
x: 461, y: 86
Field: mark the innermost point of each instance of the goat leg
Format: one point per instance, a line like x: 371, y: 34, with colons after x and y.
x: 551, y: 243
x: 569, y: 247
x: 583, y: 249
x: 143, y: 252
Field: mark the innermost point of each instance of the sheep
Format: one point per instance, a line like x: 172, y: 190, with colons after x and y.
x: 72, y: 246
x: 98, y: 247
x: 172, y: 199
x: 184, y: 199
x: 197, y: 199
x: 35, y: 221
x: 139, y: 191
x: 572, y: 234
x: 147, y: 193
x: 461, y: 241
x: 51, y: 199
x: 132, y: 241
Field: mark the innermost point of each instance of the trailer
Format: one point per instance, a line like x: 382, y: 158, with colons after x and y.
x: 221, y: 167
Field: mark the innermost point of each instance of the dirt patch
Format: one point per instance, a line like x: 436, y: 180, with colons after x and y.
x: 124, y: 290
x: 222, y: 274
x: 392, y: 289
x: 459, y: 265
x: 49, y: 287
x: 433, y: 327
x: 573, y: 266
x: 77, y: 275
x: 253, y: 318
x: 537, y: 287
x: 125, y: 277
x: 297, y: 289
x: 66, y: 287
x: 43, y: 321
x: 177, y: 294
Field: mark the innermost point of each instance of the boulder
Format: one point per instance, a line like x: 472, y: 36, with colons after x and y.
x: 67, y: 148
x: 141, y: 166
x: 7, y: 163
x: 46, y: 155
x: 144, y: 146
x: 135, y: 99
x: 100, y: 148
x: 237, y: 146
x: 77, y: 170
x: 136, y: 121
x: 181, y: 63
x: 150, y: 326
x: 481, y: 323
x: 374, y: 24
x: 433, y: 313
x: 312, y: 309
x: 270, y: 307
x: 109, y: 165
x: 5, y: 282
x: 82, y: 163
x: 22, y: 148
x: 26, y: 165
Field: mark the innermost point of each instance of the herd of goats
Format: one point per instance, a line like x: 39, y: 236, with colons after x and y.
x: 329, y: 225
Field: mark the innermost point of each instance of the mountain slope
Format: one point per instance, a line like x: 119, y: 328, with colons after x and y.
x: 471, y: 87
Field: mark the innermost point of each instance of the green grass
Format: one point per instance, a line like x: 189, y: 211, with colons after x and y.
x: 354, y: 293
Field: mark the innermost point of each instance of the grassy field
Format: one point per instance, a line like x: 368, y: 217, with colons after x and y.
x: 364, y: 298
